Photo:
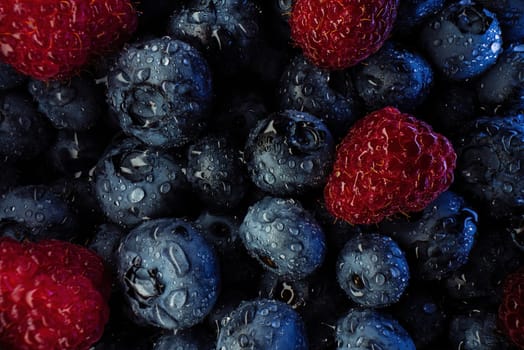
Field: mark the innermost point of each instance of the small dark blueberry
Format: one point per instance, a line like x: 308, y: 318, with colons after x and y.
x: 394, y: 76
x: 161, y: 91
x: 73, y: 104
x: 134, y: 183
x: 438, y: 240
x: 462, y: 40
x: 510, y: 14
x: 105, y: 243
x: 289, y: 153
x: 372, y: 270
x: 371, y: 329
x: 284, y: 237
x: 10, y: 78
x: 169, y: 274
x: 412, y: 13
x: 216, y: 173
x: 328, y: 95
x: 225, y: 31
x: 262, y: 324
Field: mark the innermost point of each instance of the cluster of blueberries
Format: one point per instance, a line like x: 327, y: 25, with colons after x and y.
x: 193, y: 162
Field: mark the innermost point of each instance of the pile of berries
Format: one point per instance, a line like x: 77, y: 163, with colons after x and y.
x: 261, y: 174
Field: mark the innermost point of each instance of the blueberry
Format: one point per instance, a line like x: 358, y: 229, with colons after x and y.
x: 72, y: 104
x: 293, y: 293
x: 161, y: 91
x: 105, y: 243
x: 42, y: 212
x: 394, y: 76
x: 372, y: 270
x: 224, y: 31
x: 501, y: 89
x: 10, y: 78
x: 476, y: 330
x: 284, y: 237
x: 510, y: 13
x: 412, y: 13
x: 24, y: 133
x: 168, y: 272
x: 439, y: 239
x: 262, y: 324
x: 328, y: 95
x: 289, y: 152
x: 371, y: 329
x: 190, y: 339
x: 134, y: 182
x: 488, y: 165
x: 216, y: 173
x: 462, y: 40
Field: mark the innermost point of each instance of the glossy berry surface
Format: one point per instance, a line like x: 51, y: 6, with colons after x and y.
x: 389, y: 162
x: 168, y: 272
x: 339, y: 34
x: 372, y: 270
x: 264, y: 324
x: 289, y: 152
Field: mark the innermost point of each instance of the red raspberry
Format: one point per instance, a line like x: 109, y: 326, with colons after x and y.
x: 337, y: 34
x: 388, y: 163
x: 52, y: 39
x: 511, y: 309
x: 53, y: 296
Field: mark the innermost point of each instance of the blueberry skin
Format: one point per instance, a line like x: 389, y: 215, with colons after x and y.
x: 133, y: 183
x: 161, y: 91
x: 284, y: 237
x: 439, y: 239
x: 41, y: 211
x: 372, y: 270
x: 216, y: 173
x: 488, y: 165
x: 72, y: 104
x: 185, y: 340
x: 105, y: 242
x: 262, y: 324
x: 510, y: 14
x: 476, y: 330
x: 224, y: 31
x: 371, y: 329
x: 10, y: 78
x: 411, y: 13
x: 462, y: 41
x: 328, y: 95
x: 394, y: 76
x: 289, y: 153
x: 24, y: 133
x: 168, y: 273
x: 500, y: 90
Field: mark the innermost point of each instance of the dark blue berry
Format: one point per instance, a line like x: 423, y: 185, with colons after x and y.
x: 328, y: 95
x: 168, y: 273
x: 225, y: 31
x: 105, y: 243
x: 462, y: 40
x: 41, y: 211
x: 394, y: 76
x: 10, y: 78
x: 476, y: 330
x: 411, y: 14
x: 489, y: 168
x: 24, y: 133
x: 69, y: 104
x: 161, y: 91
x: 284, y: 237
x: 371, y: 329
x: 372, y: 270
x: 216, y: 173
x: 289, y: 152
x: 501, y: 89
x: 438, y: 240
x: 191, y: 339
x: 510, y: 14
x: 262, y: 324
x: 134, y: 182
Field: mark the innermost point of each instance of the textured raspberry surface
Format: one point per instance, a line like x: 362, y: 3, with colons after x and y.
x: 52, y: 39
x: 53, y: 295
x: 511, y: 310
x: 337, y: 34
x: 388, y: 163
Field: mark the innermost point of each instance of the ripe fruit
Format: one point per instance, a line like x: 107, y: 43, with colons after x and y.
x: 53, y: 295
x: 56, y: 38
x: 337, y: 34
x: 388, y: 163
x: 511, y: 310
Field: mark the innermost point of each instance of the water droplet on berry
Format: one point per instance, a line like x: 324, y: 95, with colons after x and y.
x: 137, y: 195
x: 179, y: 259
x: 165, y: 188
x: 178, y: 298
